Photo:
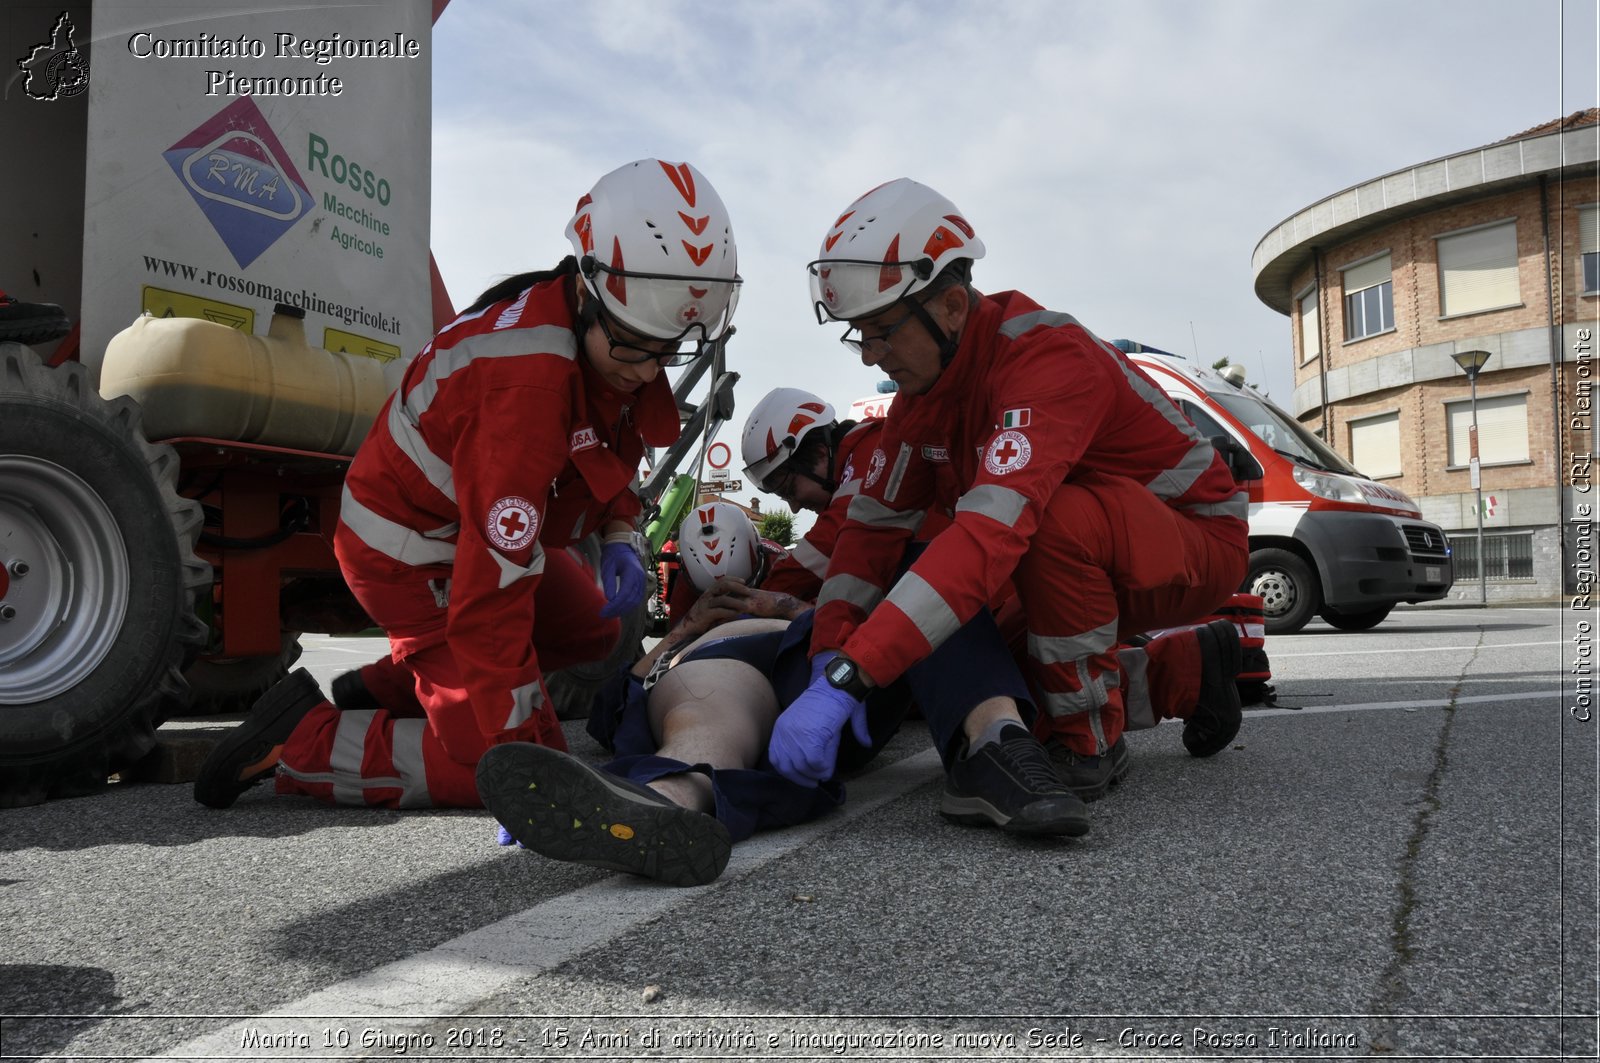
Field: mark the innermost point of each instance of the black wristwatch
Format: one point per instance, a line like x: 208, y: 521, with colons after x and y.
x: 845, y: 674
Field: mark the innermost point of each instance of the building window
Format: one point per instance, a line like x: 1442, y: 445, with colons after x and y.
x: 1310, y: 327
x: 1478, y: 270
x: 1368, y: 298
x: 1589, y: 244
x: 1375, y: 445
x: 1506, y: 557
x: 1502, y: 429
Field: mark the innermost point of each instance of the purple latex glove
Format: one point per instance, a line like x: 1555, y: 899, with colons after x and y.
x: 621, y: 578
x: 505, y: 838
x: 805, y: 737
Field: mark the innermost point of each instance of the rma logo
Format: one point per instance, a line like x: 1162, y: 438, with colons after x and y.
x: 56, y: 69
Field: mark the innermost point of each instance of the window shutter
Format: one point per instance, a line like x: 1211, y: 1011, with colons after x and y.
x: 1478, y: 270
x: 1310, y: 327
x: 1375, y: 445
x: 1502, y: 430
x: 1589, y: 230
x: 1366, y: 275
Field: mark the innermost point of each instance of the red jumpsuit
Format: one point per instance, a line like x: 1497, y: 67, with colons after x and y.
x: 500, y: 450
x: 802, y: 572
x: 1065, y: 471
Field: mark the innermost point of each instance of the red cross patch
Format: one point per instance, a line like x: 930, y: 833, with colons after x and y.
x: 1008, y: 452
x: 513, y: 523
x: 875, y: 466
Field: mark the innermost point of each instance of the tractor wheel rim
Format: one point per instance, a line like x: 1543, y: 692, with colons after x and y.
x: 66, y: 611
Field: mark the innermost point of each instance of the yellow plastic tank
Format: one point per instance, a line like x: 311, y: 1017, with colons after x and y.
x: 199, y: 378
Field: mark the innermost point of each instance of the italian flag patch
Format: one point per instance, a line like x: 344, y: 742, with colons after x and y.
x: 1016, y: 418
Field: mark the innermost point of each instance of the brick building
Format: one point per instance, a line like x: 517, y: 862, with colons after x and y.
x: 1384, y: 282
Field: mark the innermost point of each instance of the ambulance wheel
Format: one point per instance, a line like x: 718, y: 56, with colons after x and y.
x: 232, y: 684
x: 98, y: 584
x: 1290, y: 594
x: 1365, y: 620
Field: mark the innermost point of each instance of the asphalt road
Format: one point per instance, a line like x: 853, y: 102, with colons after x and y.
x: 1399, y: 859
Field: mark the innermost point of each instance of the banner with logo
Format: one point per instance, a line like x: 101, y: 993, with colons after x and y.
x: 242, y: 155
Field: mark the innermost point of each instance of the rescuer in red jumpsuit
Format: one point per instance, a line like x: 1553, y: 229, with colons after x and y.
x: 517, y: 432
x: 1064, y: 470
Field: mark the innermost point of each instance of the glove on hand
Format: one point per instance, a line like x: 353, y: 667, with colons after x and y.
x: 505, y: 838
x: 621, y: 577
x: 805, y: 737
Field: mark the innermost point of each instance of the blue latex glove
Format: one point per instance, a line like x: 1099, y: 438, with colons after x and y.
x: 805, y: 738
x: 621, y: 577
x: 505, y: 838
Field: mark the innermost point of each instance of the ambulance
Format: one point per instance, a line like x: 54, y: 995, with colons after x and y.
x: 1324, y: 539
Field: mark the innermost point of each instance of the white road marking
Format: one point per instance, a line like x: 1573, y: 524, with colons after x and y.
x: 1426, y: 703
x: 447, y: 980
x: 1275, y: 655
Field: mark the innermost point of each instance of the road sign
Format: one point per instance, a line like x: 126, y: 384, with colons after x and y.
x: 718, y: 455
x: 721, y: 487
x: 719, y: 474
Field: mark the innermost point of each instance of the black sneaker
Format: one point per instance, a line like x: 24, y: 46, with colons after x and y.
x: 31, y: 322
x: 1091, y: 777
x: 1216, y: 718
x: 350, y: 693
x: 564, y: 809
x: 250, y: 751
x: 1010, y: 784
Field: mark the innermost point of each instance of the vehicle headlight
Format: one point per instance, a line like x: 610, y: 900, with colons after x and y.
x: 1333, y: 488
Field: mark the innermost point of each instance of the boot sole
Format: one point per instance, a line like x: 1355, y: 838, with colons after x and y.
x: 563, y: 809
x: 976, y: 812
x: 270, y: 722
x: 1215, y: 723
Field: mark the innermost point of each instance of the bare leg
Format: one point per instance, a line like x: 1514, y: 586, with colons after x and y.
x: 716, y: 712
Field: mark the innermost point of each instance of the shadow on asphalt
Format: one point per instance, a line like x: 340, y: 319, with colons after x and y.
x: 147, y: 814
x: 86, y: 993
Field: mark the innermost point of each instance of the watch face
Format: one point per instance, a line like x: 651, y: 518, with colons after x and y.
x: 841, y: 672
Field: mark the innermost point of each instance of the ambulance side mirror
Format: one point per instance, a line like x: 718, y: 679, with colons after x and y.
x: 1241, y: 462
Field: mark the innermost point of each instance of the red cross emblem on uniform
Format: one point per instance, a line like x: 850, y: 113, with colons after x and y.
x: 512, y: 522
x: 1008, y: 452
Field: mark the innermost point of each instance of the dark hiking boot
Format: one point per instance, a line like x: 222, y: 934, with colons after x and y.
x: 250, y: 752
x: 1216, y: 717
x: 1091, y: 777
x: 1010, y: 784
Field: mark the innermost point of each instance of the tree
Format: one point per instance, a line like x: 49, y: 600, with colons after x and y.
x: 777, y: 526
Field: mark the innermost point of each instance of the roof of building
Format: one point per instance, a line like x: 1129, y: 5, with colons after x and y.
x: 1547, y: 149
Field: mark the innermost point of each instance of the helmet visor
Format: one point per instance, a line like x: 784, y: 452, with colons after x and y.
x: 843, y: 289
x: 665, y: 306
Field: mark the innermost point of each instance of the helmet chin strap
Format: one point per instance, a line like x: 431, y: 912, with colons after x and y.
x: 948, y: 342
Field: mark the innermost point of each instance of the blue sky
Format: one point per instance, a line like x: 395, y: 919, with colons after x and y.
x: 1120, y: 160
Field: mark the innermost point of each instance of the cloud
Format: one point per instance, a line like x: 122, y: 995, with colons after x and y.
x: 1120, y: 160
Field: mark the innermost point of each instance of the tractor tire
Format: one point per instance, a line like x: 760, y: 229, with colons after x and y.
x: 99, y: 619
x: 1365, y: 620
x: 220, y: 685
x: 1287, y: 584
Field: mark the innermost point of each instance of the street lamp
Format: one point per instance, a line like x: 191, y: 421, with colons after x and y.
x: 1472, y: 363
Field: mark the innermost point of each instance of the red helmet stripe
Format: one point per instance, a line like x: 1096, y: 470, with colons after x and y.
x: 682, y: 179
x: 696, y: 225
x: 961, y: 223
x: 616, y: 283
x: 941, y: 241
x: 698, y: 255
x: 890, y: 274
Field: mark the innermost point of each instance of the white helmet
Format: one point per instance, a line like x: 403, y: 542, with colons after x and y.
x: 774, y: 429
x: 717, y: 540
x: 891, y: 242
x: 655, y: 246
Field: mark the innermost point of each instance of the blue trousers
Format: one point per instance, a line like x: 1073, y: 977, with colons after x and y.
x: 972, y: 665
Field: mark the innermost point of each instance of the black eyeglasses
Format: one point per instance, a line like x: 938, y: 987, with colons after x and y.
x: 632, y: 351
x: 877, y: 346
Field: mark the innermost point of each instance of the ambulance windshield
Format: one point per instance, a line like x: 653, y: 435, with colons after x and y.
x: 1282, y: 433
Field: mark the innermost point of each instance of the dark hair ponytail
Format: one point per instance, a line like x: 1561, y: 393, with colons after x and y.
x: 521, y: 282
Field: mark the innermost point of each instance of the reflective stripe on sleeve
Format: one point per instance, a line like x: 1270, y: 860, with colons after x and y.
x: 511, y: 343
x: 408, y: 438
x: 925, y: 607
x: 871, y: 512
x: 1016, y: 326
x: 852, y: 589
x: 525, y: 701
x: 848, y: 489
x: 811, y: 559
x: 1237, y: 506
x: 390, y: 539
x: 898, y: 473
x: 995, y: 502
x: 510, y: 573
